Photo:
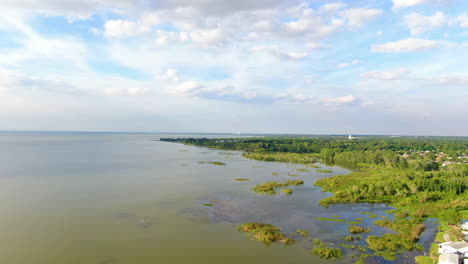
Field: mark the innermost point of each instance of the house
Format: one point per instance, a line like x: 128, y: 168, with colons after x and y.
x: 449, y: 258
x: 453, y: 252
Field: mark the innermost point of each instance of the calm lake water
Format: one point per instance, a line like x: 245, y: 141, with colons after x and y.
x: 96, y: 198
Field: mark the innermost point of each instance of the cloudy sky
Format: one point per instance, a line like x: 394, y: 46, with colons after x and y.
x: 264, y: 66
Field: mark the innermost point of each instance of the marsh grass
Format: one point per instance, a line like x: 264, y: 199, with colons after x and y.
x: 265, y: 233
x: 240, y: 179
x: 302, y: 232
x: 320, y: 249
x: 324, y: 171
x: 287, y: 191
x: 355, y: 229
x: 217, y: 163
x: 269, y: 187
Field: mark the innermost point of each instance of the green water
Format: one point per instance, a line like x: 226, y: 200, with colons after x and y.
x: 125, y: 198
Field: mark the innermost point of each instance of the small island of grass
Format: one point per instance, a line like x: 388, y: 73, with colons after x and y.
x: 287, y: 191
x: 241, y: 179
x: 269, y: 187
x: 265, y: 233
x: 324, y: 171
x: 355, y: 229
x: 217, y: 163
x: 320, y: 249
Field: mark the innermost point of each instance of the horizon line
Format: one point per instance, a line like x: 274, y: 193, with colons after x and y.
x: 218, y: 133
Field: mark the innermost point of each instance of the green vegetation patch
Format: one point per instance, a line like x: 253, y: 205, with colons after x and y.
x: 241, y: 179
x: 265, y: 233
x: 423, y: 260
x: 388, y: 255
x: 303, y: 170
x: 282, y: 157
x: 207, y: 204
x: 320, y: 249
x: 287, y: 191
x: 324, y: 171
x: 217, y: 163
x: 302, y: 232
x: 352, y: 238
x: 269, y: 187
x: 355, y: 229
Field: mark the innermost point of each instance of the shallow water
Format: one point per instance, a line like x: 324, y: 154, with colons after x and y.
x: 126, y: 198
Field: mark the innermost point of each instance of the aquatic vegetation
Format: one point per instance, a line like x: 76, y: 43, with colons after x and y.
x: 313, y: 166
x: 355, y: 229
x: 324, y: 171
x: 274, y: 173
x: 302, y: 232
x: 287, y: 191
x: 293, y: 175
x: 256, y: 166
x: 320, y: 249
x: 217, y: 163
x: 265, y: 233
x: 303, y: 170
x: 388, y: 255
x: 241, y: 179
x: 207, y: 204
x: 269, y: 187
x: 293, y: 182
x: 352, y: 238
x: 408, y: 230
x: 402, y: 172
x: 184, y: 165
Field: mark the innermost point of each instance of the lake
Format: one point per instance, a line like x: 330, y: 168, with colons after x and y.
x: 104, y: 198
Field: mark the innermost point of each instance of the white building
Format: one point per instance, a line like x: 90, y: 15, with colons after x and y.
x: 453, y: 252
x: 449, y: 258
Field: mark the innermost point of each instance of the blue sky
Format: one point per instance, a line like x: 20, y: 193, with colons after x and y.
x: 267, y: 66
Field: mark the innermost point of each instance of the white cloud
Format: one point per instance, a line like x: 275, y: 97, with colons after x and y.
x: 275, y: 51
x: 170, y: 74
x: 165, y: 37
x: 348, y: 64
x: 208, y: 37
x: 419, y: 24
x: 343, y: 100
x: 398, y: 4
x: 357, y: 17
x: 332, y: 7
x: 386, y: 75
x: 463, y: 20
x: 315, y: 45
x: 409, y: 45
x: 123, y: 28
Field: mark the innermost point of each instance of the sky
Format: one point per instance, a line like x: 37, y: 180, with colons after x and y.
x: 392, y: 67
